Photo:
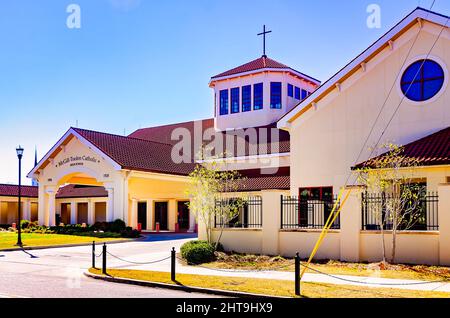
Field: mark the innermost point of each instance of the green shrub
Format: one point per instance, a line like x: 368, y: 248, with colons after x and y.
x: 198, y: 252
x: 24, y: 224
x: 99, y: 234
x: 118, y: 226
x: 130, y: 233
x: 114, y: 229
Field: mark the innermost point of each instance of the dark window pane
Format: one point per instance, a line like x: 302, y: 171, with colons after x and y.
x: 290, y: 90
x: 413, y: 91
x: 223, y: 102
x: 432, y: 70
x: 412, y: 73
x: 424, y: 86
x: 297, y: 93
x: 275, y: 95
x: 431, y: 88
x: 235, y: 100
x: 258, y: 96
x: 304, y: 94
x: 247, y: 98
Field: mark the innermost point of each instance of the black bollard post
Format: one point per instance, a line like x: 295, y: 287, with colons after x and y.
x: 297, y: 274
x: 93, y: 254
x: 173, y: 262
x: 104, y: 259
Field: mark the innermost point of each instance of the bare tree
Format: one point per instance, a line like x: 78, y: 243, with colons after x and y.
x: 398, y: 205
x: 209, y: 191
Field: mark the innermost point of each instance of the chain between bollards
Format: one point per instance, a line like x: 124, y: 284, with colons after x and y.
x: 173, y: 262
x: 104, y: 259
x: 297, y: 274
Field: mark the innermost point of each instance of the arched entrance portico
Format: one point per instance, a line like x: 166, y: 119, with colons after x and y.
x: 88, y: 201
x: 131, y: 184
x: 74, y: 161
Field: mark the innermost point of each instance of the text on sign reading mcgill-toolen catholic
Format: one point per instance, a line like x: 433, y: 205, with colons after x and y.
x: 77, y: 161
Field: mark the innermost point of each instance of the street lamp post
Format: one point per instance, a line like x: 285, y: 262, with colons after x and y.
x: 19, y: 151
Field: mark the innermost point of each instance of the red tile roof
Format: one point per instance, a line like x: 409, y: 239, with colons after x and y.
x: 80, y: 191
x: 163, y: 134
x: 257, y: 180
x: 137, y: 154
x: 428, y: 151
x: 12, y: 190
x: 260, y: 63
x: 69, y: 191
x: 269, y: 182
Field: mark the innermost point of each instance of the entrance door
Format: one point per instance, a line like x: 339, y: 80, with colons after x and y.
x: 65, y: 213
x: 161, y: 215
x: 82, y: 213
x: 183, y: 215
x: 142, y: 215
x: 100, y: 211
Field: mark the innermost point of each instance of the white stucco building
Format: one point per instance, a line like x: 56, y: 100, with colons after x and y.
x: 295, y: 139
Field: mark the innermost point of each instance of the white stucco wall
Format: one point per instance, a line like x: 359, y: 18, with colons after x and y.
x: 325, y: 142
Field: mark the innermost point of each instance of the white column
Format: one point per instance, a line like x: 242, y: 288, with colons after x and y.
x: 73, y: 212
x: 91, y: 212
x: 110, y: 205
x: 444, y: 224
x: 271, y: 222
x: 192, y: 222
x: 351, y: 226
x: 51, y: 193
x: 42, y: 202
x: 26, y: 210
x: 134, y: 213
x: 150, y: 214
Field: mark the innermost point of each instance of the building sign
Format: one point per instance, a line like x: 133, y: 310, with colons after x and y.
x: 76, y: 161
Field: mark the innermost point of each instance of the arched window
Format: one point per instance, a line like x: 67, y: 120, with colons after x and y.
x: 422, y: 80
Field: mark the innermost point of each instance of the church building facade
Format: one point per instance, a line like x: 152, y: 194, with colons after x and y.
x: 91, y: 176
x: 295, y: 140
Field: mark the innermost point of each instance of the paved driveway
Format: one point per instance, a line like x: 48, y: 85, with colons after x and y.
x: 59, y: 272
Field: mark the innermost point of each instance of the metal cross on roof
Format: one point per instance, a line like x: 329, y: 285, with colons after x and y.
x: 264, y: 39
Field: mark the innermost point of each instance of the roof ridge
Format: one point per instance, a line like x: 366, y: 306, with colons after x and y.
x: 174, y: 124
x: 311, y: 98
x: 426, y: 137
x: 264, y: 60
x: 16, y: 185
x: 125, y: 137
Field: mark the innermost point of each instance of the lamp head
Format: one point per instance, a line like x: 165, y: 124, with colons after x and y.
x: 19, y: 151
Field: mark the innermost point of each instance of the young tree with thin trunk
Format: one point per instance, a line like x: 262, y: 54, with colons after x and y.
x: 398, y: 195
x: 210, y: 185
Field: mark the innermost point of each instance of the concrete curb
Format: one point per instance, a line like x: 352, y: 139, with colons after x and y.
x: 32, y: 248
x: 188, y: 289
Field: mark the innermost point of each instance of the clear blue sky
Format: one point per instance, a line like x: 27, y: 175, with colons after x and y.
x: 138, y: 63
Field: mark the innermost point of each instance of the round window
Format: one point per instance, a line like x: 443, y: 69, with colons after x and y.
x: 422, y: 80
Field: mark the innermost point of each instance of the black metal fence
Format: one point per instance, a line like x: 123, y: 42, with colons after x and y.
x: 421, y: 215
x: 307, y: 213
x: 250, y: 213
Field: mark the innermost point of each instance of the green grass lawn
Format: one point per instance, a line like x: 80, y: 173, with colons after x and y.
x: 414, y: 272
x: 272, y: 287
x: 9, y: 239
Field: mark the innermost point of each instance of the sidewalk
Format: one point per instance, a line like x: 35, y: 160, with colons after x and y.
x: 374, y: 282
